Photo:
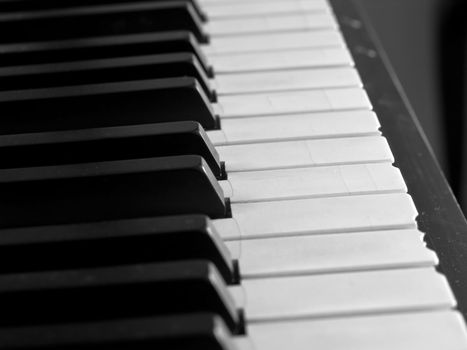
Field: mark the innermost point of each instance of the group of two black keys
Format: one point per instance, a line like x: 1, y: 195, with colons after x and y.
x: 94, y: 168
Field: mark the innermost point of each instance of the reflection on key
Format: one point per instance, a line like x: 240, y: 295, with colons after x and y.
x: 320, y: 215
x: 282, y: 41
x: 343, y: 294
x: 274, y: 60
x: 242, y: 83
x: 428, y: 330
x: 283, y: 184
x: 295, y: 127
x: 270, y: 24
x: 292, y: 154
x: 230, y: 10
x: 239, y: 106
x: 330, y: 253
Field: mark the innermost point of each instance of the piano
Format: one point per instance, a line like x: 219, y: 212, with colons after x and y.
x: 217, y: 174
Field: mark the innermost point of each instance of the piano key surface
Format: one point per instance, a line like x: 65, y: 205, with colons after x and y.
x: 282, y: 102
x: 352, y: 293
x: 301, y: 153
x: 327, y: 253
x: 300, y: 58
x: 312, y: 182
x: 269, y: 23
x: 427, y: 330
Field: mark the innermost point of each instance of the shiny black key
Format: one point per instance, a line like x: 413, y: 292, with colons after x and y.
x: 112, y: 143
x: 108, y: 104
x: 104, y: 71
x: 115, y: 292
x: 108, y: 191
x: 101, y: 47
x: 101, y: 20
x: 118, y: 242
x: 179, y: 332
x: 34, y: 5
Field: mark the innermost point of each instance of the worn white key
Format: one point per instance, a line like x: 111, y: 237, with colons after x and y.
x: 270, y: 24
x: 331, y: 253
x: 302, y: 79
x: 318, y: 215
x: 293, y: 154
x: 342, y: 294
x: 275, y: 60
x: 257, y: 186
x: 295, y: 127
x: 268, y: 103
x: 229, y: 10
x: 428, y: 330
x: 282, y: 41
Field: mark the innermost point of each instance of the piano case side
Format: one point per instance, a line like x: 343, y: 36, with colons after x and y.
x: 440, y: 216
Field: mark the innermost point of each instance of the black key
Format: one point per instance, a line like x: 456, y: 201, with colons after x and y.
x: 115, y: 292
x: 109, y: 191
x: 179, y: 332
x: 140, y: 17
x: 108, y: 104
x: 101, y: 47
x: 104, y: 71
x: 33, y: 5
x: 104, y: 144
x: 119, y: 242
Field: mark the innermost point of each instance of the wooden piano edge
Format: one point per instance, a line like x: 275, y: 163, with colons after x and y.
x: 440, y: 216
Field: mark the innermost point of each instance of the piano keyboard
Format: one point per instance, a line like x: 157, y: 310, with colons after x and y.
x: 160, y: 189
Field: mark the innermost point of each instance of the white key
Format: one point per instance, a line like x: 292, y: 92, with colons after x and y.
x: 270, y: 24
x: 220, y: 2
x: 229, y: 10
x: 331, y: 253
x: 268, y: 103
x: 295, y: 126
x: 302, y: 79
x: 318, y: 215
x: 342, y: 294
x: 275, y: 60
x: 312, y: 182
x: 282, y: 41
x: 293, y: 154
x: 429, y: 330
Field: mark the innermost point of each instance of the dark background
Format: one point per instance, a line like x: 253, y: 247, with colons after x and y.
x: 425, y: 43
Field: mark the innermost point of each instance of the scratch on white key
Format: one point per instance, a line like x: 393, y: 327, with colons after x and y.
x: 310, y: 153
x: 344, y: 180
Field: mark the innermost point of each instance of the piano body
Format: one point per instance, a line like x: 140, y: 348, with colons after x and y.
x: 217, y: 175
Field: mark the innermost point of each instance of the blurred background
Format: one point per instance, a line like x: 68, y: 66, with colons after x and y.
x: 425, y: 41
